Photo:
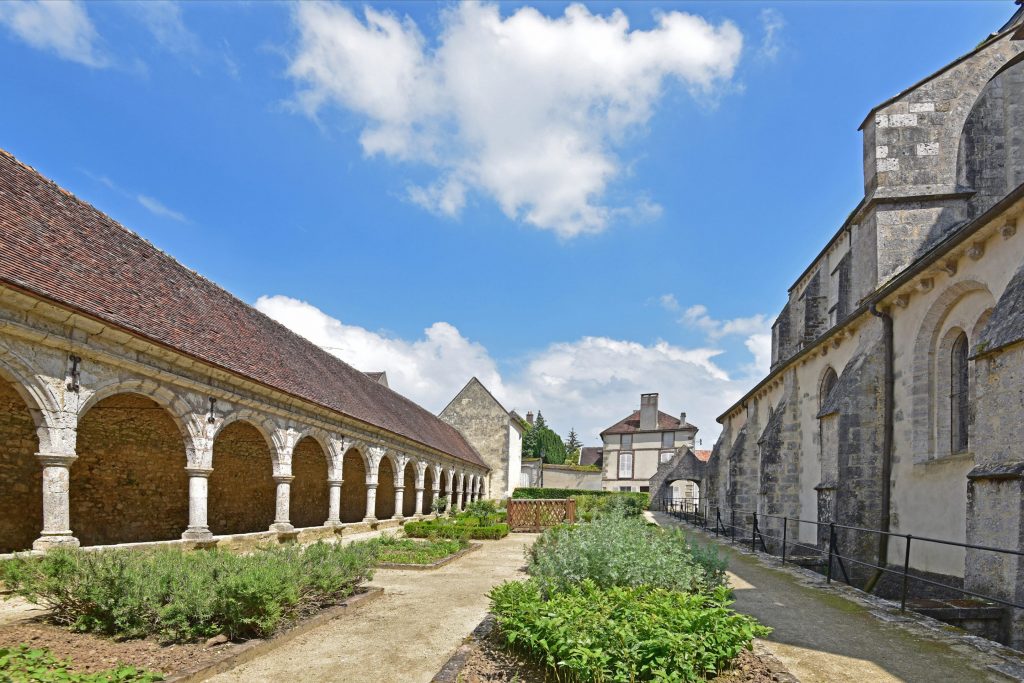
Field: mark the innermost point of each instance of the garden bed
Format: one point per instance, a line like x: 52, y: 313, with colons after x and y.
x: 407, y: 553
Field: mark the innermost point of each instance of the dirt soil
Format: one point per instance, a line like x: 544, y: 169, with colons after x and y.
x: 89, y: 653
x: 492, y: 663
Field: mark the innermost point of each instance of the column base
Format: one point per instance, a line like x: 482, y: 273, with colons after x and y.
x: 398, y: 518
x: 333, y: 523
x: 48, y: 541
x: 282, y: 527
x: 197, y: 535
x: 369, y: 520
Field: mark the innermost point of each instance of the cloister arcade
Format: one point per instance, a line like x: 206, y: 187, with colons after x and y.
x: 93, y: 455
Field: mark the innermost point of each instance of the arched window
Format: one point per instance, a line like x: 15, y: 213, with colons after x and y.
x: 958, y: 396
x: 828, y: 383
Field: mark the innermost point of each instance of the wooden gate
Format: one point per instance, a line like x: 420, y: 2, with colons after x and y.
x: 537, y: 515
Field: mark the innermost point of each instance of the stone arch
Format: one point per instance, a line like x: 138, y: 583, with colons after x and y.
x: 38, y: 397
x: 446, y: 486
x: 409, y: 501
x: 257, y: 421
x: 385, y: 507
x: 826, y: 383
x: 175, y: 405
x: 353, y: 487
x: 21, y: 475
x: 242, y: 492
x: 428, y: 490
x: 129, y: 482
x: 310, y: 494
x: 963, y: 305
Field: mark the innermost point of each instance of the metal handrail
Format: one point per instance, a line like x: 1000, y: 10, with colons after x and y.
x: 678, y: 506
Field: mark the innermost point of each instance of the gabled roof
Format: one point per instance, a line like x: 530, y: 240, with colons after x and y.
x: 703, y: 456
x: 632, y: 424
x: 592, y: 455
x: 473, y: 381
x: 59, y: 248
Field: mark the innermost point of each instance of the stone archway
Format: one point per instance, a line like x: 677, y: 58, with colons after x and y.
x: 409, y: 501
x: 310, y: 495
x: 21, y: 475
x: 353, y: 486
x: 242, y: 492
x: 683, y: 466
x: 129, y: 482
x: 428, y: 490
x: 385, y: 508
x: 445, y: 490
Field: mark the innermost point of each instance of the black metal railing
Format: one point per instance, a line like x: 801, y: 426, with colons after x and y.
x: 745, y: 526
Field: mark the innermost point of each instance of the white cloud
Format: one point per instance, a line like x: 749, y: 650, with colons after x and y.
x: 162, y: 18
x: 156, y: 207
x: 61, y: 27
x: 588, y: 384
x: 527, y: 110
x: 772, y: 24
x: 669, y: 302
x: 697, y: 316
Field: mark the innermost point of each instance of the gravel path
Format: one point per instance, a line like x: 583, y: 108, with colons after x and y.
x: 822, y: 637
x: 406, y: 635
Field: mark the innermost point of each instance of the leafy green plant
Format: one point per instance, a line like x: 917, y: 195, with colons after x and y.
x: 640, y: 500
x: 481, y: 509
x: 590, y: 507
x: 623, y: 551
x: 24, y: 665
x: 439, y: 505
x: 407, y: 551
x: 184, y: 596
x: 450, y: 529
x: 627, y: 634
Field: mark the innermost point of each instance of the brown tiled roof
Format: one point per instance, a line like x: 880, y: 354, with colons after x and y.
x: 632, y: 424
x: 592, y: 455
x: 703, y: 456
x: 62, y: 249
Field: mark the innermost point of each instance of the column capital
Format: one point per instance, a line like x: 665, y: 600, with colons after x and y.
x: 334, y: 482
x: 283, y: 478
x: 203, y: 472
x: 57, y: 459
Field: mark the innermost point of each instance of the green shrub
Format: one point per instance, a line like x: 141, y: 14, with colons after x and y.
x: 589, y: 507
x: 640, y: 500
x: 440, y: 529
x: 184, y: 596
x: 481, y: 510
x: 623, y: 551
x: 587, y: 633
x: 26, y: 665
x: 407, y: 551
x: 440, y: 504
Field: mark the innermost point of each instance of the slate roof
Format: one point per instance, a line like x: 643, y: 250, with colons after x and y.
x: 632, y: 424
x: 703, y: 456
x: 57, y: 247
x: 592, y: 455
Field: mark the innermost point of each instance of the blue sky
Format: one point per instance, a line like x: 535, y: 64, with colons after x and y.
x: 573, y: 209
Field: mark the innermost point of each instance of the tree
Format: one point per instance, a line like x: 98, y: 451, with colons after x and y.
x: 540, y: 423
x: 573, y: 443
x: 529, y: 440
x: 550, y: 447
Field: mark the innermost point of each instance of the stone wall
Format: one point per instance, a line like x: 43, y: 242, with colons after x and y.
x: 484, y: 423
x: 21, y: 475
x: 385, y: 490
x: 309, y: 489
x: 242, y: 492
x: 560, y: 478
x: 353, y: 488
x: 428, y: 491
x: 129, y: 482
x: 409, y: 502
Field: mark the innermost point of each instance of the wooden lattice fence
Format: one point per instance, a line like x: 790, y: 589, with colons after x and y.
x: 540, y: 514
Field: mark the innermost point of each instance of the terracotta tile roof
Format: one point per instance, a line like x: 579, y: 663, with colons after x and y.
x: 703, y: 456
x: 632, y: 424
x: 592, y: 455
x: 62, y: 249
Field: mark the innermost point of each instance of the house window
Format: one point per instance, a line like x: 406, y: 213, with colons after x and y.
x: 668, y: 439
x: 625, y: 488
x: 958, y: 378
x: 627, y: 442
x: 645, y: 489
x: 666, y: 456
x: 625, y: 465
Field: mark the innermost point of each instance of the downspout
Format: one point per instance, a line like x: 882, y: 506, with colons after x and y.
x: 887, y: 432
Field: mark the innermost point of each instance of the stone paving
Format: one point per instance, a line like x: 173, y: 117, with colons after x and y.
x: 406, y: 635
x: 834, y: 633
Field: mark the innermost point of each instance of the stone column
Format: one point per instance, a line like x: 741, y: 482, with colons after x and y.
x: 457, y: 506
x: 371, y: 502
x: 434, y: 495
x: 334, y: 502
x: 399, y: 502
x: 419, y: 502
x: 56, y: 501
x: 198, y: 527
x: 284, y: 494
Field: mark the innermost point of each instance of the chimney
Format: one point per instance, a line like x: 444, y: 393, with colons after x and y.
x: 648, y: 412
x: 529, y: 418
x: 682, y: 418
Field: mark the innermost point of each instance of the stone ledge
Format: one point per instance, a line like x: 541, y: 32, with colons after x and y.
x: 435, y: 565
x: 257, y: 648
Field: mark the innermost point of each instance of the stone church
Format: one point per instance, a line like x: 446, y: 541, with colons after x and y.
x: 140, y: 402
x: 895, y: 398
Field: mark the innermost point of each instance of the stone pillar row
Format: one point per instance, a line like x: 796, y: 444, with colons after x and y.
x: 56, y: 500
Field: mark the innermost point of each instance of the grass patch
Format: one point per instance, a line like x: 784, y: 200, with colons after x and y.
x: 27, y: 665
x: 182, y: 596
x: 408, y: 551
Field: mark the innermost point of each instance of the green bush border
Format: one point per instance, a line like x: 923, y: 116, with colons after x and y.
x: 427, y: 529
